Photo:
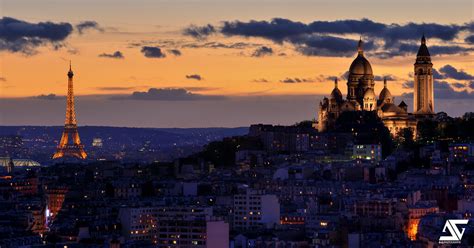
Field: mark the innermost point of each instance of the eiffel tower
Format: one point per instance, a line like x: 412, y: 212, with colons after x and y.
x: 65, y: 149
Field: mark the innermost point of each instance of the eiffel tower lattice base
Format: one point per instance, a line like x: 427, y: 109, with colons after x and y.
x: 76, y: 149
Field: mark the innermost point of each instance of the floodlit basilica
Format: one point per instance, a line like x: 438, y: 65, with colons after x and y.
x: 361, y: 95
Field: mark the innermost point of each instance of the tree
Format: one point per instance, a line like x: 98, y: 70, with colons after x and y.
x: 427, y: 130
x: 405, y: 138
x: 456, y: 129
x: 222, y: 153
x: 306, y: 124
x: 148, y: 189
x: 367, y: 128
x: 109, y: 190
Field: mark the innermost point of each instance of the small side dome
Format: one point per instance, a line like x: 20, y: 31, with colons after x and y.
x: 369, y: 94
x: 385, y: 95
x: 369, y: 101
x: 392, y: 109
x: 336, y: 93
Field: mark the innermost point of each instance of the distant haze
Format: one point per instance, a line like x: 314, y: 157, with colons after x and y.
x: 226, y: 112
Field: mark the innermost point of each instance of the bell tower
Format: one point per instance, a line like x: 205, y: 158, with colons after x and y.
x: 423, y: 92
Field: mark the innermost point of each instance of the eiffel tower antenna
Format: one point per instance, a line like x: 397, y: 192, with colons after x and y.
x: 65, y: 148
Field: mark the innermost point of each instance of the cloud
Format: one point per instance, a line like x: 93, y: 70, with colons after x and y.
x: 72, y: 50
x: 442, y: 90
x: 469, y: 26
x: 408, y: 49
x: 469, y: 39
x: 389, y: 77
x: 24, y: 37
x: 391, y: 33
x: 329, y: 78
x: 278, y: 29
x: 458, y: 85
x: 408, y: 84
x: 329, y: 46
x: 436, y: 74
x: 152, y: 52
x: 199, y: 32
x: 448, y: 50
x: 217, y: 45
x: 200, y: 88
x: 169, y: 94
x: 450, y: 72
x: 363, y: 26
x: 471, y: 85
x: 345, y: 75
x: 49, y: 97
x: 194, y: 76
x: 86, y: 25
x: 296, y: 80
x: 299, y: 34
x: 114, y: 88
x: 194, y: 88
x: 323, y: 38
x: 175, y: 52
x: 115, y: 55
x: 262, y: 51
x: 261, y: 80
x: 412, y: 31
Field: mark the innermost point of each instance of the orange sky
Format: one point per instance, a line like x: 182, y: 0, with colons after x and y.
x: 225, y: 71
x: 231, y: 73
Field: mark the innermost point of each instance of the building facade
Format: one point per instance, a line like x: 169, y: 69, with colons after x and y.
x: 255, y: 210
x: 370, y: 152
x: 174, y: 226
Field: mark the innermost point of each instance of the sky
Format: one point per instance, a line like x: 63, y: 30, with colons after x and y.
x: 220, y: 63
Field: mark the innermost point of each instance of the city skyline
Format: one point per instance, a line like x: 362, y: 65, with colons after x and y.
x: 216, y: 61
x: 239, y: 124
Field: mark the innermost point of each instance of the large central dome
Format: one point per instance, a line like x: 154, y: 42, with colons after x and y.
x: 360, y: 65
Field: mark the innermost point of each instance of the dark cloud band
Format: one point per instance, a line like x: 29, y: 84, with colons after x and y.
x: 24, y: 37
x: 153, y: 52
x: 115, y: 55
x: 88, y: 25
x: 262, y: 51
x: 169, y: 94
x: 194, y: 76
x: 322, y: 38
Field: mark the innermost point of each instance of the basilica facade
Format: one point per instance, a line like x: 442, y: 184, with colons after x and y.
x: 361, y: 95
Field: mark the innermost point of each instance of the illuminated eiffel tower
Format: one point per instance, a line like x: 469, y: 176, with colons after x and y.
x: 65, y: 149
